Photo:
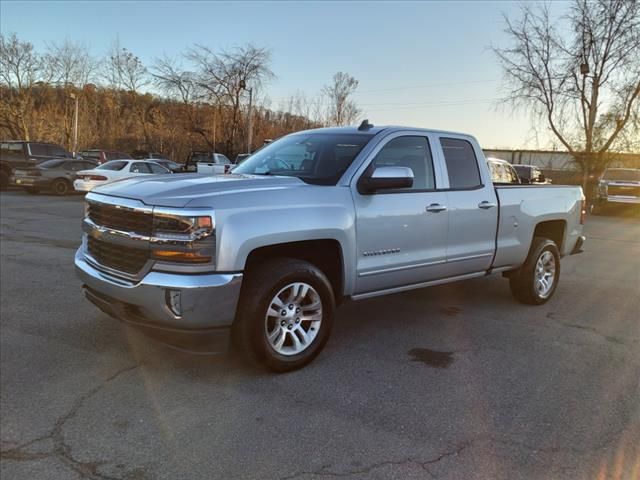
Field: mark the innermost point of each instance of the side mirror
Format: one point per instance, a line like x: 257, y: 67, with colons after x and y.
x: 386, y: 178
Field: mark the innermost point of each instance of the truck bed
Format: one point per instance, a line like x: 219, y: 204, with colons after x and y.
x: 522, y: 207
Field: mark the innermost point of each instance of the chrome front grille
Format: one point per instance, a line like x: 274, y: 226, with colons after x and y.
x: 118, y: 257
x: 119, y: 218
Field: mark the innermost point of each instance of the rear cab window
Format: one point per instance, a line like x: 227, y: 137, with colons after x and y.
x: 462, y: 164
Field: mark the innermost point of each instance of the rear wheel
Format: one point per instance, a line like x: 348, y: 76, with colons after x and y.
x: 60, y: 186
x: 596, y: 208
x: 536, y: 281
x: 4, y: 180
x: 285, y: 314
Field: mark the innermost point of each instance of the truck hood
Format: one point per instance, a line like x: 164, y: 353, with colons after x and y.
x: 179, y: 190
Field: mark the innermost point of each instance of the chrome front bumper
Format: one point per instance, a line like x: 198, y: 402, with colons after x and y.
x: 621, y: 199
x: 207, y: 301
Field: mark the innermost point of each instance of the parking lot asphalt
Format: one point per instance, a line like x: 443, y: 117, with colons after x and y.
x: 451, y: 382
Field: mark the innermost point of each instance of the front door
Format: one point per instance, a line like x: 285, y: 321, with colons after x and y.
x: 401, y: 234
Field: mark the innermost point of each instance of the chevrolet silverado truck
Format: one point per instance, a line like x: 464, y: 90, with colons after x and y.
x: 266, y: 253
x: 617, y: 186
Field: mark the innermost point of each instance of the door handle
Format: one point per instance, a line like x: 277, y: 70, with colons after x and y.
x: 436, y: 207
x: 486, y: 205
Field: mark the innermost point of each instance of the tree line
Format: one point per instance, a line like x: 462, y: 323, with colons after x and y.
x: 196, y: 101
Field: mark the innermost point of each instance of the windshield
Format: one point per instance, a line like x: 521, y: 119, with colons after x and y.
x: 318, y: 158
x: 622, y: 174
x: 52, y: 163
x: 113, y: 165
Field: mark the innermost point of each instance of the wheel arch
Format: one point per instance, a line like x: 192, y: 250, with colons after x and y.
x: 326, y: 254
x: 553, y: 230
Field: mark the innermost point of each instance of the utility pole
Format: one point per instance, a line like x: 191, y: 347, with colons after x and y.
x: 75, y: 124
x: 243, y: 85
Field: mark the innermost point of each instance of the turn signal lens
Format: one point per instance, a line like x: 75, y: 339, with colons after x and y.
x: 182, y: 257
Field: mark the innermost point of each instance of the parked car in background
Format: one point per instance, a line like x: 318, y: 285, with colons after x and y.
x: 21, y: 154
x: 103, y: 156
x: 207, y: 162
x: 531, y: 174
x: 144, y: 155
x: 116, y: 170
x: 502, y: 172
x: 175, y: 167
x: 617, y: 186
x: 241, y: 157
x: 56, y: 175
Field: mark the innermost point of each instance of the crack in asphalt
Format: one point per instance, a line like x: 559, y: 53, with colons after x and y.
x: 424, y: 464
x: 609, y: 338
x: 60, y: 449
x: 457, y: 450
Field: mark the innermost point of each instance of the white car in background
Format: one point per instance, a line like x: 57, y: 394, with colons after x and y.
x: 87, y: 180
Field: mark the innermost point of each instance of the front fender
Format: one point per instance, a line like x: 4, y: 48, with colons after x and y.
x: 240, y: 231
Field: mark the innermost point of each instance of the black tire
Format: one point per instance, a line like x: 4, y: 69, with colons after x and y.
x: 60, y: 187
x: 4, y: 180
x: 262, y: 283
x: 523, y: 281
x: 597, y: 208
x: 32, y: 190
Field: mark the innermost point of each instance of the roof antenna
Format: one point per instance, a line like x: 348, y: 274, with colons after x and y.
x: 365, y: 125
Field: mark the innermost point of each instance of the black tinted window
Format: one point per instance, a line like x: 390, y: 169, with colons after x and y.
x: 411, y: 152
x: 52, y: 164
x: 56, y: 151
x: 155, y: 168
x: 114, y: 165
x: 39, y: 149
x: 139, y: 167
x: 462, y: 165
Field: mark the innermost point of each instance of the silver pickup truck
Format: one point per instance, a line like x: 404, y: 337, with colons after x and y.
x: 318, y: 217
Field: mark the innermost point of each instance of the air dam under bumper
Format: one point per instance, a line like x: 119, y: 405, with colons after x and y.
x: 207, y: 302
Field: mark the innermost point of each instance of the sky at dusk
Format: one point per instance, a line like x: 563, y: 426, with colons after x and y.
x: 423, y: 64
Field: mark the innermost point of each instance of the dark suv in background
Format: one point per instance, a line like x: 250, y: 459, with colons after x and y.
x: 21, y: 154
x: 103, y: 156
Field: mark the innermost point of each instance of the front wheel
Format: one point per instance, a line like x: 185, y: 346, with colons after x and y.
x: 285, y: 314
x: 536, y: 281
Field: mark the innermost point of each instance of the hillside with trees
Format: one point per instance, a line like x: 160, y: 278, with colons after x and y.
x: 198, y: 101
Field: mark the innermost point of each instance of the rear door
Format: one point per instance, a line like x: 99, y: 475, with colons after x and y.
x: 472, y: 204
x: 401, y: 233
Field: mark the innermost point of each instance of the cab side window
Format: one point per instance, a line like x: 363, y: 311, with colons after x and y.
x: 462, y: 165
x: 411, y: 152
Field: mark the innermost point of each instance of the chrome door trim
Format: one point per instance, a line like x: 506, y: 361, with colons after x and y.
x: 404, y: 267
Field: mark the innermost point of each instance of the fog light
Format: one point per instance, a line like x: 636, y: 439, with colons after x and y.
x: 174, y: 301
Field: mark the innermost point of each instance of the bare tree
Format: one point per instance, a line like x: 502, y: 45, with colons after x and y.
x: 223, y: 75
x: 342, y: 108
x: 70, y: 63
x: 21, y: 72
x: 70, y: 66
x: 585, y: 85
x: 124, y: 70
x: 178, y: 83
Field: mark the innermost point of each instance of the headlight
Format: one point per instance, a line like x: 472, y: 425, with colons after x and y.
x: 175, y: 227
x: 183, y: 239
